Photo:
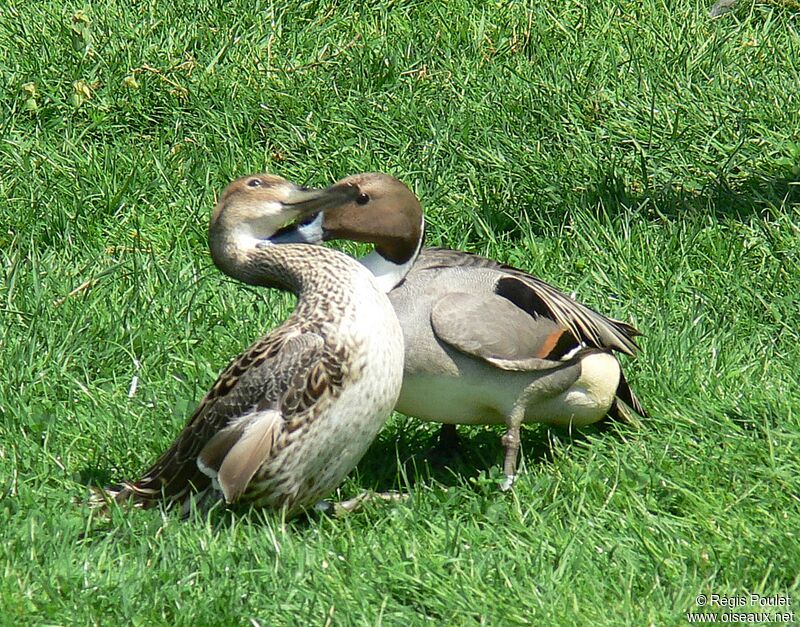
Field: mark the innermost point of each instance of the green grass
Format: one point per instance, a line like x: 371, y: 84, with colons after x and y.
x: 638, y: 153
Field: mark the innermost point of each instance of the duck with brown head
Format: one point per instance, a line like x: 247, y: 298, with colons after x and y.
x: 293, y: 414
x: 485, y: 343
x: 397, y: 234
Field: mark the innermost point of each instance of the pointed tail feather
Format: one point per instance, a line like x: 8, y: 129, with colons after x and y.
x: 626, y: 405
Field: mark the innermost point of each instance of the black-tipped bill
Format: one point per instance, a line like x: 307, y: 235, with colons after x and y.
x: 309, y: 200
x: 312, y: 203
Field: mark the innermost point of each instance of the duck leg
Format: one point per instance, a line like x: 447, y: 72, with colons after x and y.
x: 447, y: 447
x: 511, y: 444
x: 449, y: 442
x: 351, y: 505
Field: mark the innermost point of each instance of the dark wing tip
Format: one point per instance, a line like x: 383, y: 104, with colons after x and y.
x: 592, y: 328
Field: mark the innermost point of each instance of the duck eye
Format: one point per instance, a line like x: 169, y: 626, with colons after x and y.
x: 362, y: 199
x: 254, y: 183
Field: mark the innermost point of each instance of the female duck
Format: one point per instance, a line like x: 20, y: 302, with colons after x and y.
x: 292, y: 415
x: 485, y: 343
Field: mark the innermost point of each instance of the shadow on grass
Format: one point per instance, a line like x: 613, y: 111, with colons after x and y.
x: 397, y: 461
x: 93, y: 477
x: 402, y: 459
x: 613, y: 194
x: 725, y: 199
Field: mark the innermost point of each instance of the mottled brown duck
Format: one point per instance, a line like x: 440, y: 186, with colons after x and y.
x: 293, y: 414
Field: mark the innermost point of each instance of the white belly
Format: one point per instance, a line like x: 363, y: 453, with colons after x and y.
x: 486, y: 395
x: 451, y: 400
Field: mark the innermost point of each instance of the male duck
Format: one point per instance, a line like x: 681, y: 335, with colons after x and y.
x: 485, y: 343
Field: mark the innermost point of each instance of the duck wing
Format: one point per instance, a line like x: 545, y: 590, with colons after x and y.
x: 540, y: 299
x: 492, y: 328
x: 235, y: 427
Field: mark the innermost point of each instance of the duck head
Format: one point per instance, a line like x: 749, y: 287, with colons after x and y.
x: 380, y: 210
x: 253, y: 209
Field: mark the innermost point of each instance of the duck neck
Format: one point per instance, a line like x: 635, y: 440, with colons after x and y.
x: 301, y: 269
x: 391, y: 265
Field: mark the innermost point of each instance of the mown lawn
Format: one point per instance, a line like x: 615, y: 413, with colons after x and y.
x: 638, y: 153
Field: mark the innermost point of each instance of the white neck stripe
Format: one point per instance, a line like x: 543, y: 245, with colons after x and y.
x: 389, y: 274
